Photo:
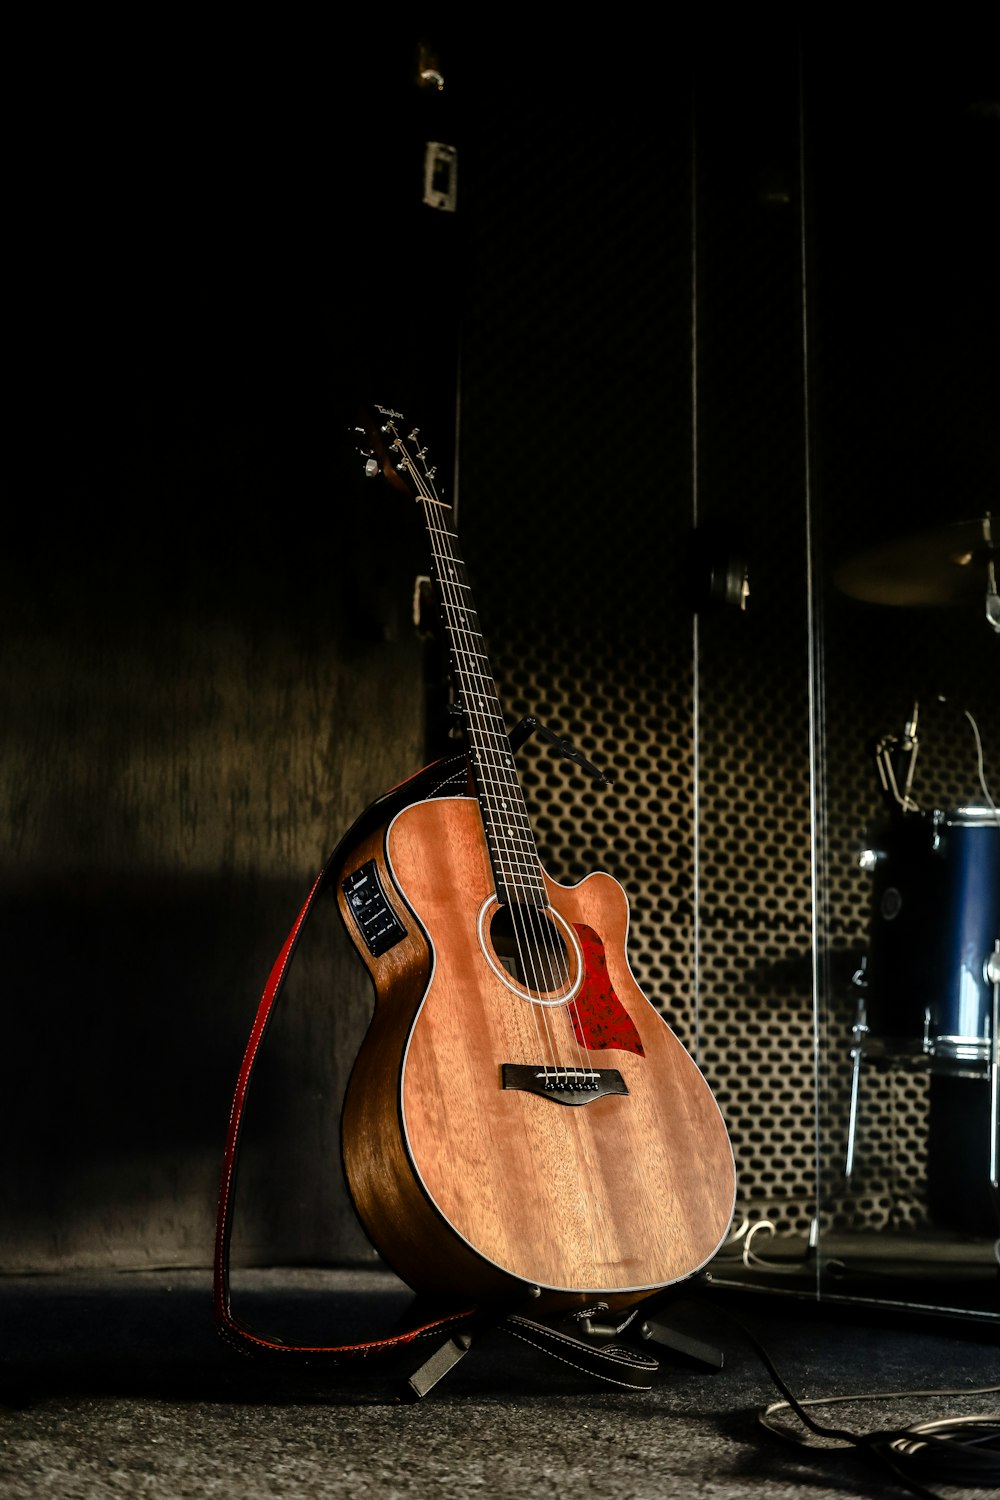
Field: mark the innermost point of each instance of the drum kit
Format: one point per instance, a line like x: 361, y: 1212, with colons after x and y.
x: 929, y: 985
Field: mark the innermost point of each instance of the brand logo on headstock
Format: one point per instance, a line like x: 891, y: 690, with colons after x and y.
x: 387, y: 411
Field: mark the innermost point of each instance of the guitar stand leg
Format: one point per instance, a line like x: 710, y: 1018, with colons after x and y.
x: 615, y: 1363
x: 444, y: 1358
x: 635, y: 1370
x: 681, y: 1343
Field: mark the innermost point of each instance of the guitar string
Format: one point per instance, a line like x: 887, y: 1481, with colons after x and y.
x: 493, y: 767
x: 536, y: 942
x: 446, y: 561
x: 539, y: 945
x: 511, y: 844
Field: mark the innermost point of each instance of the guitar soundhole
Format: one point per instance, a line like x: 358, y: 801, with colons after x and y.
x: 530, y: 947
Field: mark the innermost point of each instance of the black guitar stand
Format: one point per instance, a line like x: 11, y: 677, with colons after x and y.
x: 613, y: 1352
x: 531, y: 725
x: 526, y: 727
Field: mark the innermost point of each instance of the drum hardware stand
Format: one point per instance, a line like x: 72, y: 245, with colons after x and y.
x: 992, y: 596
x: 888, y: 748
x: 992, y: 971
x: 860, y: 1031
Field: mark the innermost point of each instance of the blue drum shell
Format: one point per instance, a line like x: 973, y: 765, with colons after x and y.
x: 934, y: 921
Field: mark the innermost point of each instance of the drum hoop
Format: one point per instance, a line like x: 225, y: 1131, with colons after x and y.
x: 973, y: 816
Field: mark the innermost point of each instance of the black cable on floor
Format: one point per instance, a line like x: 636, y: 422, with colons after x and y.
x: 950, y: 1450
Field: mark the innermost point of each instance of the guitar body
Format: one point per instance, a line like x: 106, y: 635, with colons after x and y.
x: 505, y: 1139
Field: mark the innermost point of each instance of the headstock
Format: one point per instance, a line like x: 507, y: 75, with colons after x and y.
x: 390, y: 449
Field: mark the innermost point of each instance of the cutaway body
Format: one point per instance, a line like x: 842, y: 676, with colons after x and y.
x: 505, y: 1131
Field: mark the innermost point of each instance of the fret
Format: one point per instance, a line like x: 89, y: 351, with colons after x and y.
x: 498, y: 736
x: 513, y: 802
x: 505, y: 813
x: 514, y: 859
x: 520, y: 856
x: 477, y: 656
x: 487, y: 721
x: 505, y: 828
x: 502, y: 808
x: 460, y: 619
x: 497, y: 776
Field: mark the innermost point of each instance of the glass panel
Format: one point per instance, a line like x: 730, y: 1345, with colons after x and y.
x: 848, y: 722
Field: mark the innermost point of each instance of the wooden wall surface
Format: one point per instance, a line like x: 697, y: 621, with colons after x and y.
x: 208, y: 663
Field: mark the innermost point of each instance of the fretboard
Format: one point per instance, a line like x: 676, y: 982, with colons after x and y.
x: 511, y: 843
x: 517, y: 872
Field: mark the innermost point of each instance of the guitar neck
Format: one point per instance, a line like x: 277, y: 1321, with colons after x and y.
x: 511, y: 843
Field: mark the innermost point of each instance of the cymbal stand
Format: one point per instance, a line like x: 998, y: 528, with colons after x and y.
x: 890, y: 749
x: 859, y: 1031
x: 992, y: 968
x: 992, y: 596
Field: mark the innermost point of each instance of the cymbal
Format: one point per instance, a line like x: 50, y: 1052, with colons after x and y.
x: 948, y: 565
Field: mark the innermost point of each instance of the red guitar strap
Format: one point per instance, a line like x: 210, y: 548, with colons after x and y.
x: 231, y: 1330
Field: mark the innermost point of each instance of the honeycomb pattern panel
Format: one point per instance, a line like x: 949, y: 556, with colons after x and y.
x: 640, y: 830
x: 608, y: 402
x: 874, y: 678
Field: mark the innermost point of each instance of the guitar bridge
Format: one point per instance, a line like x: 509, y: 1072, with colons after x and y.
x: 563, y: 1085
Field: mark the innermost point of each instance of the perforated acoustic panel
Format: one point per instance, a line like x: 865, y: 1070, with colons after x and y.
x: 904, y: 386
x: 633, y: 366
x: 634, y: 362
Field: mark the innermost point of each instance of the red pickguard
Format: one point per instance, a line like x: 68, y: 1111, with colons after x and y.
x: 600, y: 1020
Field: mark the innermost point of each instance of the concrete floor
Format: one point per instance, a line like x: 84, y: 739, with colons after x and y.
x: 117, y: 1385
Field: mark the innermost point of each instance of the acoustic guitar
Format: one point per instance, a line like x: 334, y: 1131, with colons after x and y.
x: 520, y: 1124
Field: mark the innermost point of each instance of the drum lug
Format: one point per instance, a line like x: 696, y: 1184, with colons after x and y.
x: 991, y: 965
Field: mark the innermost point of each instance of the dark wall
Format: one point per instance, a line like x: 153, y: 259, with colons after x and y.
x: 209, y: 661
x: 209, y: 666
